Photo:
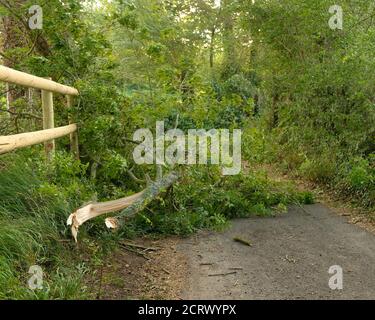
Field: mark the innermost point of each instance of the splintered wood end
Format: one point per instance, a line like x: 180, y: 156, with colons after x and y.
x: 112, y: 223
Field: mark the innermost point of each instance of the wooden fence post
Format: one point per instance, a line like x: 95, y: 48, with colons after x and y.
x: 48, y: 121
x: 74, y: 146
x: 8, y: 97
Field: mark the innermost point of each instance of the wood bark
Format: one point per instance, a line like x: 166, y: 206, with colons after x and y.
x: 74, y: 145
x: 48, y: 122
x: 153, y: 191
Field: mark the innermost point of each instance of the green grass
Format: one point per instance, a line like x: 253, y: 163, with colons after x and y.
x: 33, y: 232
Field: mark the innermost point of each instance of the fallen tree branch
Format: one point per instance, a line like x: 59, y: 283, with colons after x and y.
x: 132, y: 205
x: 143, y: 201
x: 140, y: 253
x: 129, y: 244
x: 94, y: 210
x: 242, y: 241
x: 134, y: 177
x: 222, y: 274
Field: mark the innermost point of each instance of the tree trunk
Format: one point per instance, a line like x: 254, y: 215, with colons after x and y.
x: 231, y: 66
x: 212, y: 47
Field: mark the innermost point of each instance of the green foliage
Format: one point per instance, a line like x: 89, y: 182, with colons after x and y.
x: 361, y: 174
x: 302, y: 93
x: 317, y: 92
x: 205, y: 199
x: 357, y: 179
x: 33, y: 229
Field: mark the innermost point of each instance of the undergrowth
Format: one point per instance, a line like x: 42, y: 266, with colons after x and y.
x: 36, y: 200
x: 33, y: 231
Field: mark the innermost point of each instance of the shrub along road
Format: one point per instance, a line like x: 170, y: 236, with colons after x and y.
x: 289, y: 258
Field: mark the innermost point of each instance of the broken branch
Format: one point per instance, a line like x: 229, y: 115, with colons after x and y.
x: 94, y: 210
x: 154, y: 190
x: 245, y: 242
x: 222, y: 274
x: 132, y: 205
x: 139, y: 246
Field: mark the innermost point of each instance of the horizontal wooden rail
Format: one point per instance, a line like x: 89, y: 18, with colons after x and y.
x: 27, y: 80
x: 10, y: 143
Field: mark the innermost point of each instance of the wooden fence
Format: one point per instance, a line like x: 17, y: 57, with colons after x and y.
x: 129, y: 206
x: 49, y: 132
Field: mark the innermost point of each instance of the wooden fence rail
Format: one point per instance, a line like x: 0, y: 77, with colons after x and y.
x: 27, y: 80
x: 10, y: 143
x: 47, y: 87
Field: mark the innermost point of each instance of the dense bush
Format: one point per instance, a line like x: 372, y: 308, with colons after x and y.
x: 205, y: 199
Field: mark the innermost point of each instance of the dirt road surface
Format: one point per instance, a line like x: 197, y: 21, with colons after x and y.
x: 289, y: 258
